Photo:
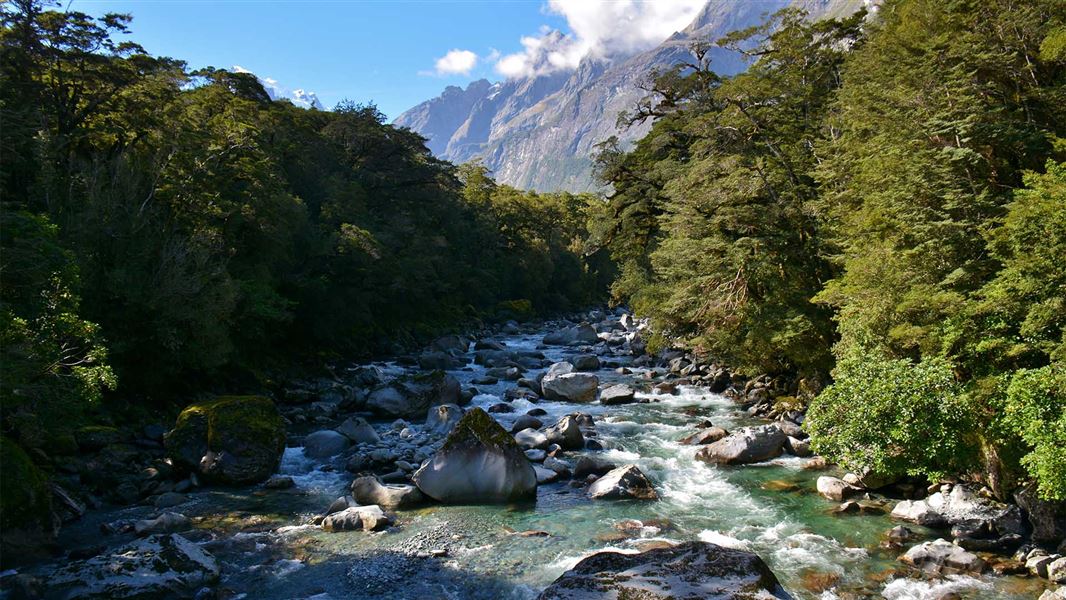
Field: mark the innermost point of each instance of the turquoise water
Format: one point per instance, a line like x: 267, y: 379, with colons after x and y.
x: 268, y: 551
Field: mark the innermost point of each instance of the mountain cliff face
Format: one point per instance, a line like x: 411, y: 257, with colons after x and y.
x: 540, y: 132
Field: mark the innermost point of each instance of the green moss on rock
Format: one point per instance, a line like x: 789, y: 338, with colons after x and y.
x: 230, y: 439
x: 25, y: 499
x: 478, y: 425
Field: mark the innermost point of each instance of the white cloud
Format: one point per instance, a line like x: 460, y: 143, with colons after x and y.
x: 599, y: 29
x: 456, y: 62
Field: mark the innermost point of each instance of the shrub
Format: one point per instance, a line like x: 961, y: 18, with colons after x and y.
x: 1035, y: 411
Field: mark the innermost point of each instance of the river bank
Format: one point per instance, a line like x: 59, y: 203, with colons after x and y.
x: 264, y: 541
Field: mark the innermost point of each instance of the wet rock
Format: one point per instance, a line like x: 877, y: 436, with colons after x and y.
x: 526, y: 422
x: 530, y: 439
x: 451, y: 344
x: 160, y: 566
x: 357, y: 518
x: 561, y: 467
x: 279, y: 482
x: 479, y: 463
x: 617, y: 394
x: 501, y: 408
x: 798, y: 447
x: 530, y: 384
x: 536, y: 455
x: 368, y: 490
x: 436, y: 359
x: 790, y: 429
x: 562, y: 383
x: 943, y: 557
x: 231, y: 439
x: 342, y: 503
x: 358, y: 431
x: 918, y: 511
x: 625, y: 482
x: 592, y: 465
x: 411, y: 397
x: 169, y: 499
x: 168, y: 522
x: 545, y: 475
x: 689, y: 571
x: 579, y: 334
x: 585, y: 362
x: 747, y: 445
x: 536, y: 412
x: 708, y: 435
x: 325, y: 443
x: 566, y: 433
x: 836, y: 489
x: 440, y: 419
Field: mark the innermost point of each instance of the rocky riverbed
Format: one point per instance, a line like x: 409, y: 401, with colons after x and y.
x: 554, y: 460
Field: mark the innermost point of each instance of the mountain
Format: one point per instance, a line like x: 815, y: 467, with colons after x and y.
x: 540, y: 132
x: 276, y: 91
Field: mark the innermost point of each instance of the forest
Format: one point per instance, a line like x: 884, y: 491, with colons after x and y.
x: 877, y: 204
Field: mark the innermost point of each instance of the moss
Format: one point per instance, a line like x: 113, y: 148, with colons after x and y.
x: 478, y: 425
x: 25, y: 500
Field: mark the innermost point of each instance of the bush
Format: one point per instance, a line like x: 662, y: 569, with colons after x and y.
x: 1035, y: 411
x: 892, y: 417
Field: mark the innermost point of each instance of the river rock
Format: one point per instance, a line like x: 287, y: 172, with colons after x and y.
x: 530, y: 439
x: 943, y: 557
x: 578, y: 334
x: 798, y: 447
x: 479, y: 463
x: 411, y: 397
x: 1056, y: 570
x: 918, y: 511
x: 440, y: 419
x: 566, y: 433
x: 358, y: 431
x: 972, y: 516
x: 545, y: 475
x: 279, y: 482
x: 592, y: 465
x: 1056, y: 594
x: 624, y: 483
x: 1047, y: 518
x: 325, y: 443
x: 562, y: 383
x: 585, y: 362
x: 836, y: 489
x: 688, y: 571
x: 357, y: 518
x: 536, y: 455
x: 437, y: 359
x: 168, y: 522
x: 526, y: 422
x: 160, y: 566
x: 368, y: 490
x: 708, y: 435
x: 747, y: 445
x: 231, y: 439
x: 617, y: 394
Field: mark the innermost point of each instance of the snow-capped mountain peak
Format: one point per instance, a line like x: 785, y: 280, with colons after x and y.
x: 276, y: 91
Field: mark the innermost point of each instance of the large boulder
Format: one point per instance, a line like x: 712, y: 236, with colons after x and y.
x: 368, y: 490
x: 836, y: 489
x: 624, y: 483
x: 479, y: 463
x: 1046, y: 517
x: 436, y: 359
x: 358, y: 431
x: 325, y: 443
x: 160, y: 566
x: 566, y: 433
x: 689, y: 571
x: 918, y: 511
x: 943, y: 557
x: 592, y: 465
x: 411, y: 397
x: 617, y: 394
x: 585, y: 362
x: 707, y: 435
x: 531, y: 439
x: 357, y: 518
x: 561, y: 382
x: 747, y: 445
x: 230, y: 440
x: 578, y: 334
x: 968, y: 515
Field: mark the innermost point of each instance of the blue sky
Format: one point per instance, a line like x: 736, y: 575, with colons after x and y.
x: 389, y: 51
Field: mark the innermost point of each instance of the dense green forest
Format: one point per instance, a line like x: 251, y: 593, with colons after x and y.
x: 167, y: 231
x: 882, y: 198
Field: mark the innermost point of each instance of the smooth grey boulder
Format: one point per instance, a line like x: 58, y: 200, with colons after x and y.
x: 545, y: 475
x: 410, y: 397
x: 744, y: 446
x: 325, y: 443
x: 943, y: 557
x: 836, y: 489
x: 618, y: 394
x: 592, y: 465
x: 798, y: 447
x: 918, y: 511
x: 707, y: 435
x: 440, y: 419
x: 688, y: 571
x: 566, y: 433
x: 168, y: 522
x: 531, y: 439
x: 562, y: 383
x: 526, y: 422
x: 160, y: 566
x: 357, y: 518
x: 358, y: 431
x: 368, y: 490
x: 624, y: 483
x: 578, y: 334
x: 536, y: 455
x: 585, y: 362
x: 479, y: 463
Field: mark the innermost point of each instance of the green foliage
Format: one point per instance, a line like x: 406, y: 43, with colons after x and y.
x: 25, y: 500
x: 1035, y: 411
x: 892, y: 417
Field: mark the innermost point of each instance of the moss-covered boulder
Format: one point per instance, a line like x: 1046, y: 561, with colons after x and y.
x: 230, y: 439
x: 479, y: 463
x: 27, y: 525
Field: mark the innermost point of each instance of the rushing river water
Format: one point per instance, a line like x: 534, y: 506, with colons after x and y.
x: 268, y: 551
